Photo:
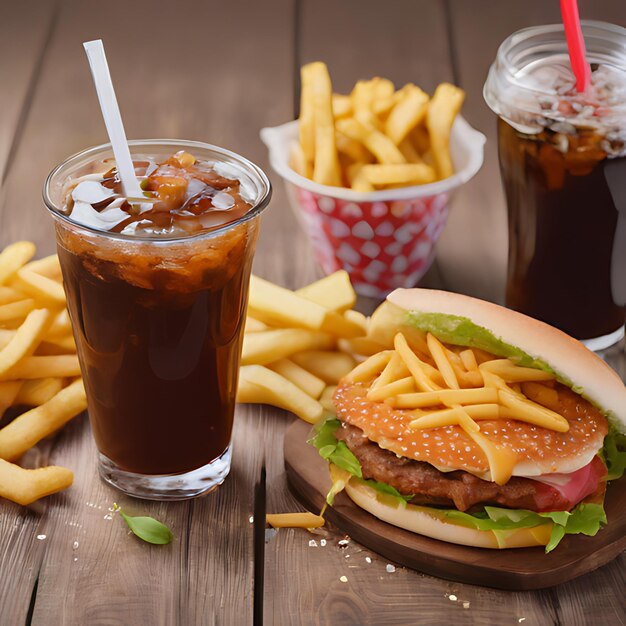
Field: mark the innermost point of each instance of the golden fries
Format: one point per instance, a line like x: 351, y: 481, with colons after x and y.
x: 25, y: 339
x: 272, y: 345
x: 442, y: 110
x: 24, y: 486
x: 37, y: 364
x: 374, y: 125
x: 31, y: 427
x: 13, y: 257
x: 317, y: 89
x: 261, y: 385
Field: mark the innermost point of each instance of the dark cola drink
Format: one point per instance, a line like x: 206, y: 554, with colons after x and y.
x: 563, y: 163
x: 157, y: 294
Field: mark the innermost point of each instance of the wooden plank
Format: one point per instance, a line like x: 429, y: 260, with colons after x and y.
x: 29, y: 37
x: 184, y: 77
x: 21, y: 551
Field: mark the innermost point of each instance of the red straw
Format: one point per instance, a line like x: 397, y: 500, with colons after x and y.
x: 575, y: 44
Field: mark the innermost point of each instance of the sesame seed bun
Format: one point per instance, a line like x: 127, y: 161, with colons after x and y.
x: 422, y: 520
x: 569, y: 358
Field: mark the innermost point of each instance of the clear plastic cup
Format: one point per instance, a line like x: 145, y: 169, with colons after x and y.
x: 158, y: 325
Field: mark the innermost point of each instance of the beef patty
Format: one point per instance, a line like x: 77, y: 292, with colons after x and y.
x: 460, y: 489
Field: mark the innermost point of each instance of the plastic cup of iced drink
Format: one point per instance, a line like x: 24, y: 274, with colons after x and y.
x: 157, y: 294
x: 563, y: 163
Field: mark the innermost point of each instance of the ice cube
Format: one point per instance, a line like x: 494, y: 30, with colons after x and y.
x: 90, y: 192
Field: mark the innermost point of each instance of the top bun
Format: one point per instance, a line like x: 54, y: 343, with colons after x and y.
x: 569, y: 358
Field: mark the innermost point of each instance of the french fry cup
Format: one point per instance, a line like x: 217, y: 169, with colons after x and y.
x: 383, y: 238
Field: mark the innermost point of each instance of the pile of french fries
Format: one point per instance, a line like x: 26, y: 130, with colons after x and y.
x: 298, y: 344
x: 39, y: 370
x: 375, y: 138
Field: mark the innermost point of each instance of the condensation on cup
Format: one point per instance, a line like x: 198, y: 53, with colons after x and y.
x: 562, y: 159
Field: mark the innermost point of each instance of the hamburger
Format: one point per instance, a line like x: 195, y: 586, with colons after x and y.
x: 474, y: 424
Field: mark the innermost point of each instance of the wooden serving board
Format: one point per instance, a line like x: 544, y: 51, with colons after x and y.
x: 518, y: 569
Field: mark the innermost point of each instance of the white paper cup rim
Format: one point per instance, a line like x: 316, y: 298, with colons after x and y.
x: 466, y: 147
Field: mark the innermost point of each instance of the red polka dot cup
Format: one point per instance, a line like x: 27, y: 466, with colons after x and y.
x: 383, y: 239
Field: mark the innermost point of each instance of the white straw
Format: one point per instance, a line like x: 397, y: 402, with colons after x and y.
x: 112, y: 118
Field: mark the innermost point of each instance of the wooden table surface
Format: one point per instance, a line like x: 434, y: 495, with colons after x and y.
x: 218, y: 72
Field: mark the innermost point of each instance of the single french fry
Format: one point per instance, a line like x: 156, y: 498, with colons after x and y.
x: 31, y: 427
x: 442, y: 110
x: 521, y: 408
x: 308, y: 382
x: 376, y: 142
x: 448, y: 397
x: 13, y: 257
x: 49, y: 266
x: 278, y: 306
x: 258, y: 384
x: 438, y: 353
x: 370, y: 368
x: 326, y: 161
x: 512, y: 373
x: 468, y: 358
x: 400, y: 174
x: 331, y: 367
x: 294, y: 520
x: 37, y: 391
x: 9, y: 295
x: 334, y: 292
x: 9, y: 390
x: 298, y: 161
x: 422, y: 381
x: 306, y: 123
x: 398, y: 387
x: 449, y: 417
x: 363, y: 96
x: 45, y: 290
x: 406, y: 114
x: 254, y: 326
x: 25, y: 340
x: 326, y: 399
x: 271, y: 345
x: 62, y: 365
x: 16, y: 310
x: 24, y: 486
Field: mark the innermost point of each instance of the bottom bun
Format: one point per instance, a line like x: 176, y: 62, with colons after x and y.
x: 424, y: 521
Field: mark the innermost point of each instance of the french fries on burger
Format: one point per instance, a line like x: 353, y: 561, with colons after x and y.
x: 376, y: 137
x: 475, y: 425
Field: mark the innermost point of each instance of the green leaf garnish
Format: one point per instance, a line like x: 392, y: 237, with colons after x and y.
x: 335, y: 451
x: 147, y: 528
x: 614, y: 454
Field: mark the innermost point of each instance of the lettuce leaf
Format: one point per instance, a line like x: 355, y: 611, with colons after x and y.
x: 335, y: 451
x: 614, y: 454
x: 386, y: 489
x: 461, y: 331
x: 585, y: 519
